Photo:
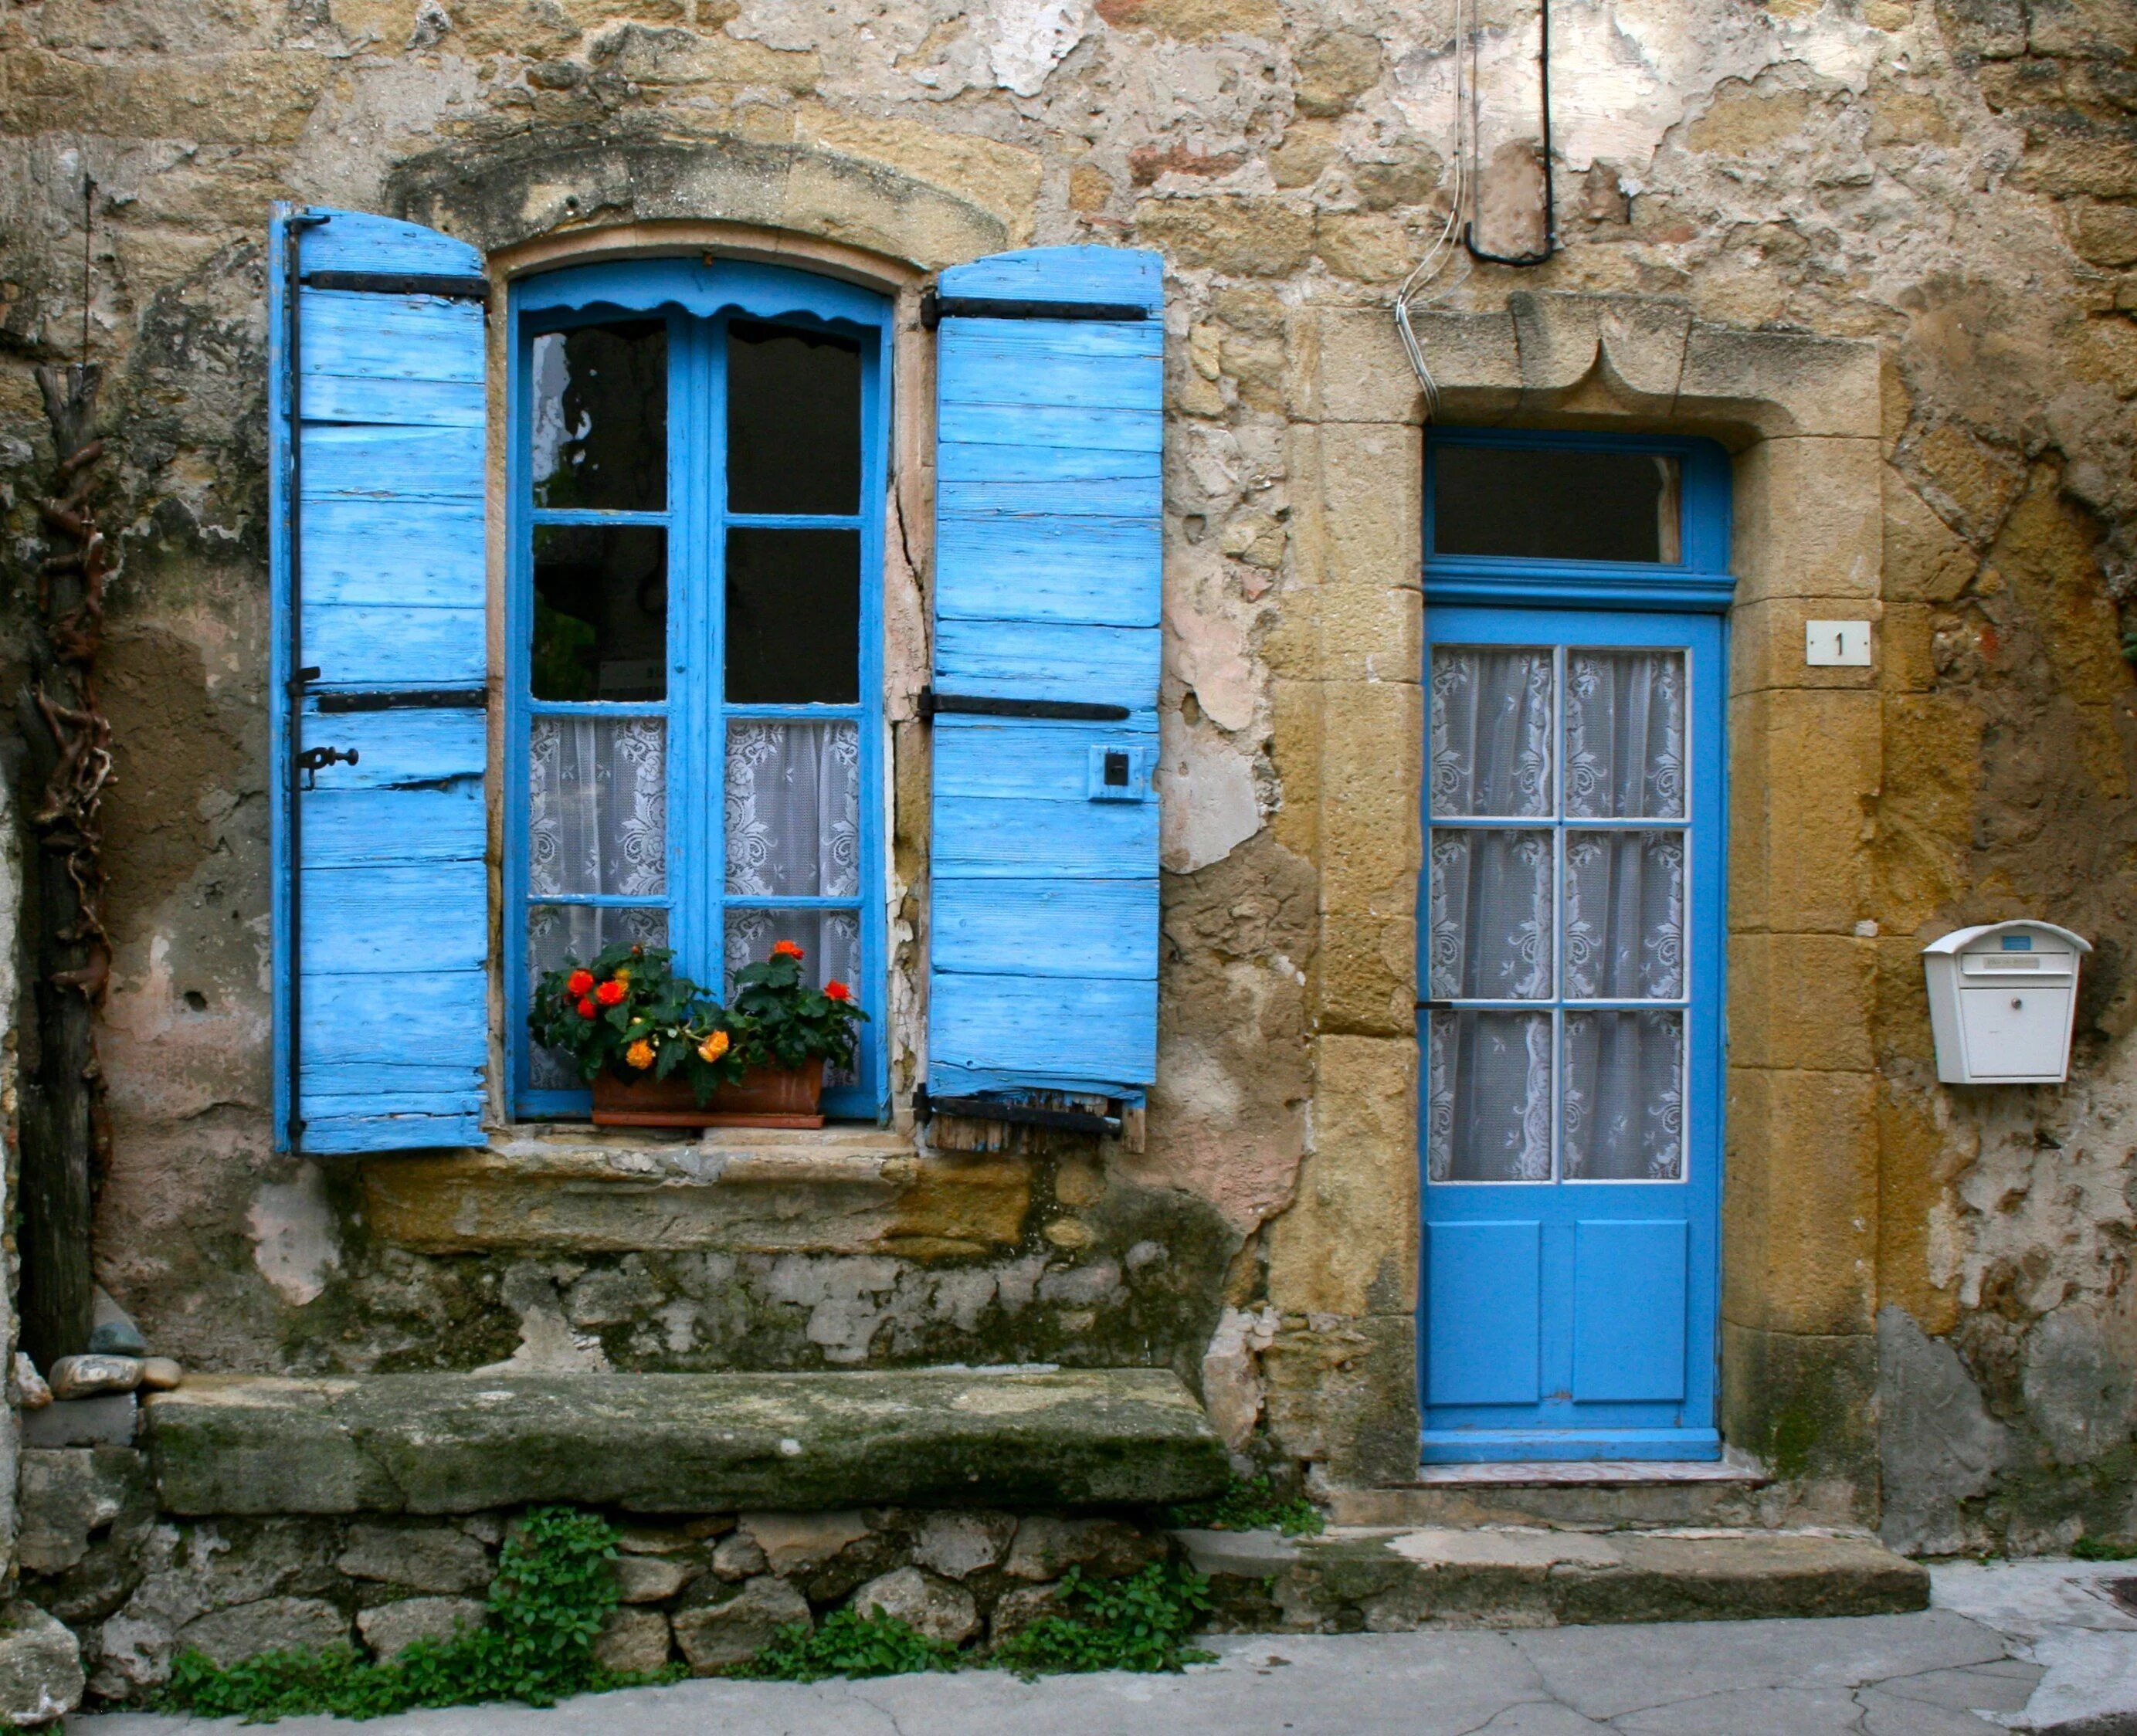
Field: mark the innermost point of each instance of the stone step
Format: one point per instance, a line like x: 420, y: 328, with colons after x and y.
x: 680, y: 1444
x: 1586, y: 1495
x: 1382, y: 1581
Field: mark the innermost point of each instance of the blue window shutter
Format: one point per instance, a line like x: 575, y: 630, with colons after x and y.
x: 381, y: 910
x: 1043, y: 966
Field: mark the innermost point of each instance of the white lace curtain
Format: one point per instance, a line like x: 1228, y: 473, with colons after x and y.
x: 1544, y: 912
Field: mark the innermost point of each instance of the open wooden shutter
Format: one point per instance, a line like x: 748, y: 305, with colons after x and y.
x: 1042, y: 962
x: 376, y: 723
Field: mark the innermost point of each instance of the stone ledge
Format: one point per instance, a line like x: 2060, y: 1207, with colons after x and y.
x: 835, y: 1190
x: 679, y: 1443
x: 1391, y: 1581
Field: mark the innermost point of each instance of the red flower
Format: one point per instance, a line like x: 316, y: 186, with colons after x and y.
x: 587, y: 1009
x: 611, y: 992
x: 785, y: 950
x: 580, y: 983
x: 837, y: 990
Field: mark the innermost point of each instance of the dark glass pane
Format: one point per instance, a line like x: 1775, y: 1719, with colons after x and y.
x: 1555, y: 505
x: 600, y: 417
x: 600, y: 612
x: 794, y: 617
x: 794, y: 420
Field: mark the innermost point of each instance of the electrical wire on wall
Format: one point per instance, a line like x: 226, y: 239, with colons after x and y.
x: 1458, y: 233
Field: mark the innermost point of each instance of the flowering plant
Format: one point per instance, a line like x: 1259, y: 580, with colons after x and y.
x: 628, y: 1011
x: 779, y: 1021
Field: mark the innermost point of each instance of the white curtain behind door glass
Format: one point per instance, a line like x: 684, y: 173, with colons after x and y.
x: 1624, y: 735
x: 597, y: 801
x: 1491, y: 732
x: 1488, y: 1118
x: 1622, y: 1097
x: 794, y: 809
x: 1491, y: 915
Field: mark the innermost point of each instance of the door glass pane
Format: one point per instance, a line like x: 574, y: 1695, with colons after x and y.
x: 558, y: 933
x: 1624, y: 915
x: 600, y: 417
x: 1624, y: 735
x: 1555, y: 503
x: 1488, y: 1097
x: 794, y: 809
x: 794, y: 420
x: 597, y: 802
x: 793, y: 617
x: 1622, y: 1108
x: 1491, y: 732
x: 600, y: 612
x: 1491, y: 916
x: 831, y: 943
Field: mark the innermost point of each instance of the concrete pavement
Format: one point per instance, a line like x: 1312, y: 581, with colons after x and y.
x: 2033, y: 1646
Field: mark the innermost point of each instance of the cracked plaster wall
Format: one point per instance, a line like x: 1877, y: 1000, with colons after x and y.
x: 1954, y: 179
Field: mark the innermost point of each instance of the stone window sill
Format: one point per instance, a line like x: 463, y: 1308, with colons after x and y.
x: 844, y: 1189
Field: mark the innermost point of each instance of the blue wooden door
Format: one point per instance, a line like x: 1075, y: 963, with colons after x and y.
x: 1569, y: 951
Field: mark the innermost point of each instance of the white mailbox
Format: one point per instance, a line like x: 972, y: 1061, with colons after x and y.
x: 2002, y: 999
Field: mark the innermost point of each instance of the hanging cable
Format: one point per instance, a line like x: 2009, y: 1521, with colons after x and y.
x: 1446, y: 244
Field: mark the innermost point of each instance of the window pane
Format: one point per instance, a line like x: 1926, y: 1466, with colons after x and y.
x: 1491, y: 732
x: 1624, y: 735
x: 794, y: 617
x: 794, y: 809
x: 1622, y: 1107
x: 794, y: 420
x: 600, y: 612
x: 597, y: 797
x: 1624, y: 915
x: 831, y: 943
x: 1488, y: 1107
x: 1555, y: 503
x: 600, y: 417
x: 1491, y: 916
x: 560, y: 933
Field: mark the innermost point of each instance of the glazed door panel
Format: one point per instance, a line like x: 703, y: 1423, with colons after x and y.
x: 1570, y: 962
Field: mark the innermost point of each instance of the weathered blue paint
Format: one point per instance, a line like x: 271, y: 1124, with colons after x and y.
x: 1042, y: 965
x: 1577, y: 1320
x: 394, y: 882
x: 697, y: 298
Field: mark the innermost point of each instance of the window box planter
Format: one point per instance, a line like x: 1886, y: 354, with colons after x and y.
x: 765, y: 1097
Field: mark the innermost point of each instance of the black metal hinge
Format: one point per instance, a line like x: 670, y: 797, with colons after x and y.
x: 404, y: 699
x: 931, y: 704
x: 1023, y: 1114
x: 935, y: 309
x: 453, y: 288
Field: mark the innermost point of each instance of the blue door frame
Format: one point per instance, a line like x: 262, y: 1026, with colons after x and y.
x: 1569, y: 1320
x: 697, y: 298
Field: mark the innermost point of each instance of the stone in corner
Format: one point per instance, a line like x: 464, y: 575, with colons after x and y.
x: 41, y: 1678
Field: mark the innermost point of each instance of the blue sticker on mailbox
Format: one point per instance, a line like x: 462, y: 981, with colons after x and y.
x: 2017, y: 943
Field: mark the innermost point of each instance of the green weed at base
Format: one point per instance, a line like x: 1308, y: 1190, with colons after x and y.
x: 847, y: 1644
x: 554, y: 1586
x: 1140, y: 1624
x: 1250, y: 1505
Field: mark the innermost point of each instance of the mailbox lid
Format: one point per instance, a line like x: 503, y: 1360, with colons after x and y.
x: 2016, y: 1032
x: 2022, y: 937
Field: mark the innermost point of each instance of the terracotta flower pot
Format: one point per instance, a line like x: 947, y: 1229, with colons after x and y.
x: 766, y: 1096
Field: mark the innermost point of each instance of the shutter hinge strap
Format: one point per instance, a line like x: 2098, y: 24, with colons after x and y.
x: 931, y: 704
x: 1024, y: 1115
x: 935, y: 308
x: 454, y: 287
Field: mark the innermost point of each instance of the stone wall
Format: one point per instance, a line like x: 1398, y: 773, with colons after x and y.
x: 1949, y: 183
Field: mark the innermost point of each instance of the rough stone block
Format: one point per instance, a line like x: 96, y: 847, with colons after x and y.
x: 1809, y: 518
x: 227, y: 1637
x: 958, y: 1545
x: 712, y: 1635
x: 633, y: 1641
x: 1800, y: 1213
x: 1048, y: 1545
x: 654, y: 1579
x: 1372, y: 482
x: 41, y: 1675
x: 425, y: 1559
x: 1766, y: 646
x: 1809, y: 766
x: 1372, y: 753
x: 464, y: 1443
x: 1242, y: 237
x: 1805, y: 1405
x: 944, y: 1612
x: 1350, y: 367
x: 1781, y: 382
x: 108, y: 1421
x: 67, y: 1493
x: 793, y: 1542
x: 1802, y: 1000
x: 390, y: 1628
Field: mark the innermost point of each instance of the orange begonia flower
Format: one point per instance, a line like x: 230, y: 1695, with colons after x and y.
x: 579, y: 983
x: 612, y: 991
x: 714, y: 1046
x: 639, y: 1054
x: 785, y: 950
x: 837, y: 990
x: 587, y: 1009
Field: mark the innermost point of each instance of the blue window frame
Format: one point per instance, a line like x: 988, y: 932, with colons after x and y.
x: 1570, y: 945
x: 718, y: 577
